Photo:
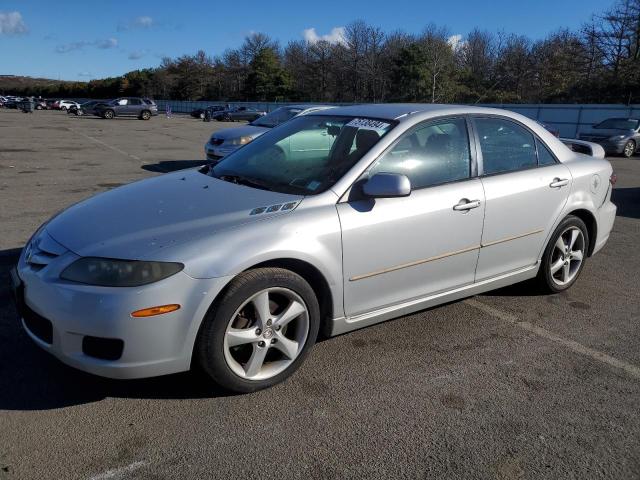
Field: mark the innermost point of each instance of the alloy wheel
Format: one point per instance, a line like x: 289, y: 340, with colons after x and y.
x: 266, y: 334
x: 629, y: 149
x: 567, y: 256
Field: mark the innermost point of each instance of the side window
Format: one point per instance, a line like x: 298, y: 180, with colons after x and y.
x: 506, y: 146
x: 122, y: 101
x: 544, y: 155
x: 135, y: 101
x: 435, y: 153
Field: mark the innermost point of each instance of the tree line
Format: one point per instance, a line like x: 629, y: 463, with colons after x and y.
x: 597, y: 63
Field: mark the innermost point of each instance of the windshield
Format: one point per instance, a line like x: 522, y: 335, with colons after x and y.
x: 276, y: 117
x: 304, y: 156
x: 618, y: 124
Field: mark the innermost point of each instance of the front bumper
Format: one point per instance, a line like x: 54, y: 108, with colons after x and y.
x: 64, y: 317
x: 216, y: 152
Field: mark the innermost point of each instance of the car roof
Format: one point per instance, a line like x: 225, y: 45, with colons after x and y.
x: 397, y: 111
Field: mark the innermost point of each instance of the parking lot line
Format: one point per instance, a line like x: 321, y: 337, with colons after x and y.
x: 632, y: 370
x: 100, y: 142
x: 121, y: 472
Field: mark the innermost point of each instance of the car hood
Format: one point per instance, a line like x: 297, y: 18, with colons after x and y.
x: 609, y: 132
x: 245, y: 131
x: 136, y: 220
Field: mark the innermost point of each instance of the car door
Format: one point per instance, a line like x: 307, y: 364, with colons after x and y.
x: 398, y: 249
x: 121, y: 107
x: 134, y: 106
x: 525, y: 188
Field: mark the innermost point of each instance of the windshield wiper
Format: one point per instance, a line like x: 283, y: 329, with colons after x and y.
x: 246, y: 181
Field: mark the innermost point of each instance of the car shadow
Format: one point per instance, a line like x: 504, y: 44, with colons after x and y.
x: 167, y: 166
x: 32, y: 379
x: 628, y: 201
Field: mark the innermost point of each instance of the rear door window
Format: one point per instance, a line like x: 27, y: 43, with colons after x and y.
x: 506, y: 146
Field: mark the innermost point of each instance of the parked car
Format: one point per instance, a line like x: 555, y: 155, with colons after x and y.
x: 64, y: 105
x: 235, y: 268
x: 50, y: 104
x: 223, y: 142
x: 238, y: 113
x: 619, y: 136
x: 142, y: 108
x: 86, y: 108
x: 199, y: 112
x: 40, y: 104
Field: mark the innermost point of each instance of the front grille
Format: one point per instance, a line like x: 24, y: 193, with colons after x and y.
x: 102, y: 348
x: 38, y: 325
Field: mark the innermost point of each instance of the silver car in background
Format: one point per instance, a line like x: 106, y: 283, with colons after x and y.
x: 223, y: 142
x: 619, y: 136
x: 236, y: 268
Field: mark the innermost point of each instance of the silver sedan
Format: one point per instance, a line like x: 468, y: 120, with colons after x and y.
x: 334, y: 221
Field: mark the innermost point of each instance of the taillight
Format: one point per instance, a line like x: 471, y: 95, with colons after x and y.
x: 613, y: 179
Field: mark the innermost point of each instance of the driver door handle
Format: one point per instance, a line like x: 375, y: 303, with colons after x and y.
x: 559, y: 182
x: 466, y: 204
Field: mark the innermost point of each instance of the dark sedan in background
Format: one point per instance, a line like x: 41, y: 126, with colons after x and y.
x: 620, y: 136
x: 237, y: 114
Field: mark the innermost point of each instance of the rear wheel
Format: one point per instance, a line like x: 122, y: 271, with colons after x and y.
x: 63, y: 109
x: 260, y: 330
x: 108, y: 114
x: 564, y: 256
x: 629, y: 149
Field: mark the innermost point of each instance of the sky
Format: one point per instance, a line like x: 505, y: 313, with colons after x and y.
x: 87, y: 39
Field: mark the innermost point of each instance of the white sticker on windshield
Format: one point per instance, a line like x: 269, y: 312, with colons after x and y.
x: 367, y: 124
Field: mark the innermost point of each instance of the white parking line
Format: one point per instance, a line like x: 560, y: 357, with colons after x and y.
x: 119, y: 472
x: 100, y: 142
x: 632, y: 370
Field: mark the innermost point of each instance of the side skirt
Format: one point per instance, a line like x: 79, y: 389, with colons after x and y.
x: 343, y: 325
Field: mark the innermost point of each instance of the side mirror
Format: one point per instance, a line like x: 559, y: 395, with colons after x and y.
x: 387, y: 185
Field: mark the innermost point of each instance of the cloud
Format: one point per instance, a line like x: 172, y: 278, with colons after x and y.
x: 11, y: 23
x: 137, y: 55
x: 108, y: 43
x: 73, y: 46
x: 456, y: 42
x: 142, y: 22
x: 335, y: 36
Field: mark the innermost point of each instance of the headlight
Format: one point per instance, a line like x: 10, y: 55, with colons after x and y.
x: 106, y: 272
x: 239, y: 140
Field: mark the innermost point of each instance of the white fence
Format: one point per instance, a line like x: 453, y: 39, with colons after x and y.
x: 569, y: 119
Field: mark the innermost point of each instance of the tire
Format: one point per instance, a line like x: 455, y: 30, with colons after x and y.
x: 629, y: 149
x: 145, y: 115
x: 226, y: 118
x: 566, y: 262
x: 64, y: 109
x: 231, y: 366
x: 38, y: 107
x: 108, y: 114
x: 201, y: 116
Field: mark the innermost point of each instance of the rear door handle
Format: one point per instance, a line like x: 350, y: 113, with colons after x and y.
x: 466, y: 204
x: 559, y: 182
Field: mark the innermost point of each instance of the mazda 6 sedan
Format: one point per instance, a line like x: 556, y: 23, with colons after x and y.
x: 333, y: 221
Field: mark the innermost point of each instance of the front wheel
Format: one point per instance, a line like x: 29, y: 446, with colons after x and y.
x: 629, y: 149
x: 64, y: 109
x: 145, y: 115
x: 260, y: 330
x: 564, y: 256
